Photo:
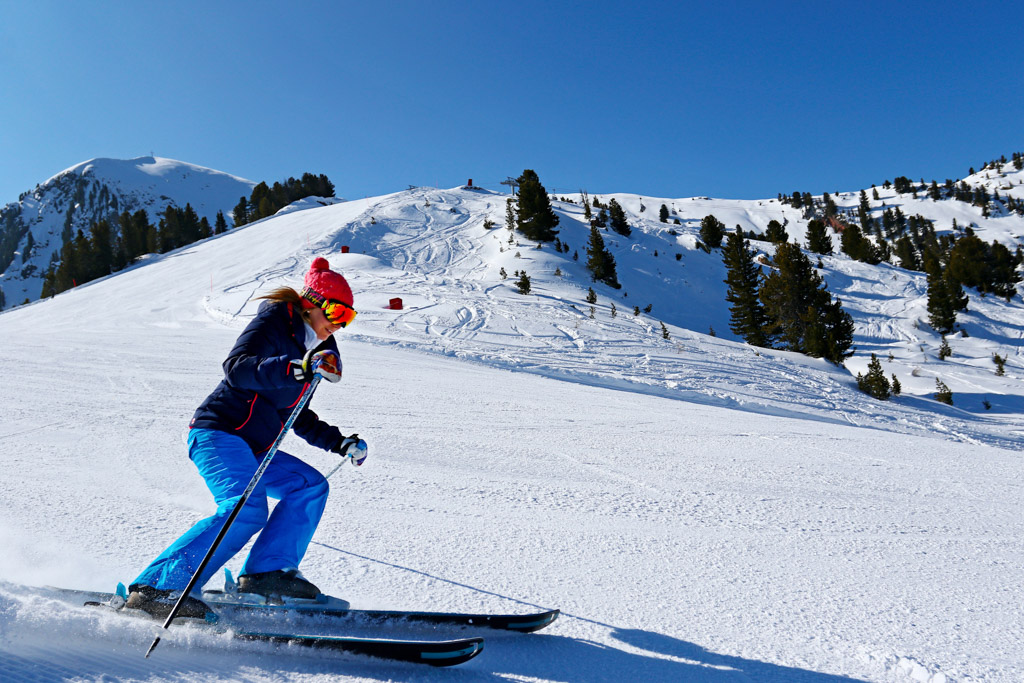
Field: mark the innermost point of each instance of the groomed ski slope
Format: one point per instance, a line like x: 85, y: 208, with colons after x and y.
x: 700, y: 511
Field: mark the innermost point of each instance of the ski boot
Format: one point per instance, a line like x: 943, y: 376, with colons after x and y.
x: 282, y: 583
x: 158, y: 603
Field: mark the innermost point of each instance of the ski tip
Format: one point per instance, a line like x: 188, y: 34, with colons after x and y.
x: 467, y: 650
x: 536, y: 623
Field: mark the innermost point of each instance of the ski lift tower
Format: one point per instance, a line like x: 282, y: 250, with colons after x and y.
x: 512, y: 183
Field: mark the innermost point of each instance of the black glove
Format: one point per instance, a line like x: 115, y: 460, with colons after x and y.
x: 345, y: 443
x: 351, y: 447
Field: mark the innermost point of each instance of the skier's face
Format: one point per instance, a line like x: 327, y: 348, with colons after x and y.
x: 320, y: 324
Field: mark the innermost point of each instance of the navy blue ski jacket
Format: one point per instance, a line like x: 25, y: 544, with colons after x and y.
x: 258, y: 392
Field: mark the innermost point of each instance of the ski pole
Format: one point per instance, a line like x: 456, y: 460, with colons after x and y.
x: 334, y: 469
x: 303, y: 400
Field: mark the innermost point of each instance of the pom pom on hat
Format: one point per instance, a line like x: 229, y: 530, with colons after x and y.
x: 323, y: 283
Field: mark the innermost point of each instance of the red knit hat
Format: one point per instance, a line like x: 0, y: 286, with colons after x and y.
x: 322, y: 283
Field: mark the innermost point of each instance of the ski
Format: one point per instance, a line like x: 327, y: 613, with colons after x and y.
x: 338, y: 610
x: 432, y: 652
x: 232, y: 601
x: 239, y: 604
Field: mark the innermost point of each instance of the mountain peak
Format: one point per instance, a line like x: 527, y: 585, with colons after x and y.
x: 129, y: 170
x: 35, y: 227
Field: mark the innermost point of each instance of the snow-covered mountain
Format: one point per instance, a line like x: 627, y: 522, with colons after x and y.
x: 701, y: 510
x: 99, y: 189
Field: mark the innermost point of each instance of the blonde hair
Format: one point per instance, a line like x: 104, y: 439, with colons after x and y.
x: 289, y: 296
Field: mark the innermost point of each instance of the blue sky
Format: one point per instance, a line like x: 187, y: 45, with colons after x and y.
x: 670, y: 99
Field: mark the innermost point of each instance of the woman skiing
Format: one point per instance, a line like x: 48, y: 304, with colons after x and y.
x: 282, y: 348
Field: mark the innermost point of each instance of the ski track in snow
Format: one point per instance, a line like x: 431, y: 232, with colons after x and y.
x: 699, y: 510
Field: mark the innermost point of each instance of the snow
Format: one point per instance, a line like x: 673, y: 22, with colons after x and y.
x: 699, y: 509
x: 126, y: 171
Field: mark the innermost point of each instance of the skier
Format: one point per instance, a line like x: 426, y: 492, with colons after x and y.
x: 279, y: 352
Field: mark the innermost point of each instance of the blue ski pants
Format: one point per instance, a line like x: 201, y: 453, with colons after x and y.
x: 227, y: 464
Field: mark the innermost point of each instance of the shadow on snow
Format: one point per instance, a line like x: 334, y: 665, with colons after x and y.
x: 645, y: 655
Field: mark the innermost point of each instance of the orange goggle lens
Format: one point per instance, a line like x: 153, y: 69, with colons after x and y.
x: 338, y: 312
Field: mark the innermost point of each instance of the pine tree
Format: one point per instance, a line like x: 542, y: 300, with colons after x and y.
x: 775, y: 232
x: 818, y: 239
x: 82, y: 246
x: 220, y: 225
x: 945, y: 298
x: 536, y: 220
x: 74, y: 259
x: 988, y: 268
x: 943, y: 394
x: 663, y: 214
x: 855, y: 244
x: 260, y: 204
x: 803, y: 316
x: 523, y: 283
x: 618, y: 219
x: 310, y: 186
x: 864, y: 213
x: 712, y: 231
x: 875, y: 383
x: 600, y: 261
x: 906, y: 254
x: 746, y: 314
x: 957, y: 297
x: 101, y: 247
x: 830, y: 205
x: 510, y: 215
x: 169, y: 231
x: 265, y: 208
x: 830, y: 333
x: 786, y: 295
x: 968, y: 261
x: 944, y: 350
x: 586, y: 204
x: 130, y: 243
x: 191, y: 225
x: 240, y: 214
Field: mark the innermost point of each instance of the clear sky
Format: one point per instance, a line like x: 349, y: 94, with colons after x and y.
x: 674, y: 99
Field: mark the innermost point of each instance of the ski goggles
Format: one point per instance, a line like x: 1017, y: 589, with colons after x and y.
x: 337, y: 312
